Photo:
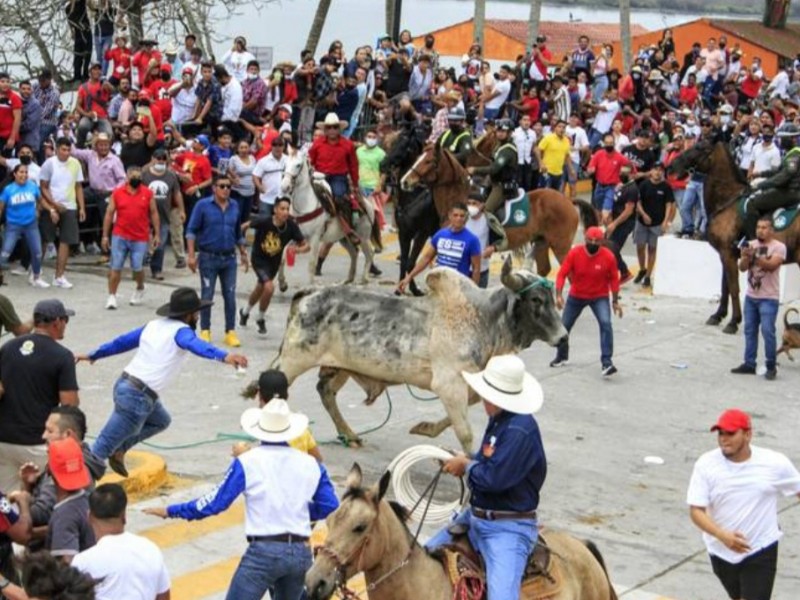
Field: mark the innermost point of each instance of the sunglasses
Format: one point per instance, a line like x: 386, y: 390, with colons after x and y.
x: 224, y: 186
x: 331, y: 127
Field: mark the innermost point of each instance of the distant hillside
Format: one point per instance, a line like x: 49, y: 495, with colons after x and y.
x: 699, y: 7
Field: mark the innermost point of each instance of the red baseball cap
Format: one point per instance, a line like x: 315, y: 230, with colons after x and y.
x: 187, y: 70
x: 732, y: 420
x: 166, y: 68
x: 65, y: 459
x: 594, y: 233
x: 145, y: 95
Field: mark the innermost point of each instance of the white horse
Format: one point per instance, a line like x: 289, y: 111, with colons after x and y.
x: 317, y: 225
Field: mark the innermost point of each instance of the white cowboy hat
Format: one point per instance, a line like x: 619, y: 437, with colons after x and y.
x: 273, y: 423
x: 332, y: 119
x: 505, y: 383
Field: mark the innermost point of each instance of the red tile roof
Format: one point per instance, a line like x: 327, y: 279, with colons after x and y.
x: 562, y: 38
x: 783, y: 42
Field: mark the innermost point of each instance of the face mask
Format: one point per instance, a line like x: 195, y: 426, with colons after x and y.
x: 25, y: 160
x: 429, y: 44
x: 767, y: 138
x: 592, y: 248
x: 624, y: 178
x: 165, y: 77
x: 159, y: 167
x: 252, y: 76
x: 135, y: 182
x: 609, y: 148
x: 691, y: 123
x: 457, y: 127
x: 725, y: 120
x: 473, y: 211
x: 372, y: 142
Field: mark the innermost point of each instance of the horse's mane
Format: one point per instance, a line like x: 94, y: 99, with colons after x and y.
x: 401, y: 512
x: 732, y: 161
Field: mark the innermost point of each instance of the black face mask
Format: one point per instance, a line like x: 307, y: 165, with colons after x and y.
x: 192, y: 323
x: 429, y: 44
x: 624, y: 178
x: 165, y: 76
x: 609, y: 148
x: 592, y: 248
x: 722, y: 46
x: 457, y: 127
x: 135, y: 182
x: 767, y: 138
x: 25, y: 160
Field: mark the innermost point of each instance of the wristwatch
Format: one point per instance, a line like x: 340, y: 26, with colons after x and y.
x: 4, y: 583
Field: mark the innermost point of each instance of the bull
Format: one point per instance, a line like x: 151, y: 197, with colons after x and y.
x: 381, y: 340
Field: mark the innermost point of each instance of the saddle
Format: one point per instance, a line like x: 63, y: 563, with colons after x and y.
x: 541, y: 580
x: 782, y: 217
x: 323, y: 193
x: 516, y: 210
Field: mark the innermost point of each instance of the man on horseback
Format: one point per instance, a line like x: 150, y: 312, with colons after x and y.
x: 782, y: 189
x: 503, y: 170
x: 505, y: 476
x: 457, y: 139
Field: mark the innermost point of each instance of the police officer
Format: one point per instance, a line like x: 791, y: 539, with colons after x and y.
x: 457, y: 139
x: 503, y: 170
x: 782, y: 189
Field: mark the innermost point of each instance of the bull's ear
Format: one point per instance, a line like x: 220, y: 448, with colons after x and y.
x: 378, y: 490
x: 506, y: 267
x: 354, y: 478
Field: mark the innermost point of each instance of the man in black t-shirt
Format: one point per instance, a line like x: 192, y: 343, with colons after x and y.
x: 641, y: 154
x: 623, y: 219
x: 37, y: 374
x: 273, y: 234
x: 654, y: 215
x: 166, y: 188
x: 137, y: 150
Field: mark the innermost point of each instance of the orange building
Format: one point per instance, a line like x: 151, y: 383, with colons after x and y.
x: 504, y: 40
x: 773, y: 46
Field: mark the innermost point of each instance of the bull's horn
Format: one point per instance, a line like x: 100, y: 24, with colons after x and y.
x: 511, y: 280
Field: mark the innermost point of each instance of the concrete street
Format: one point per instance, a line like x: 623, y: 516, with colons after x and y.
x: 673, y: 381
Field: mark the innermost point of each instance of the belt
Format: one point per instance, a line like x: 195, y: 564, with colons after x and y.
x: 140, y: 385
x: 289, y: 538
x: 502, y: 515
x: 225, y: 254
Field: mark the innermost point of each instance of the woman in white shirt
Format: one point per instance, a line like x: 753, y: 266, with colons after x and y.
x: 745, y: 152
x: 240, y: 170
x: 236, y: 59
x: 620, y: 139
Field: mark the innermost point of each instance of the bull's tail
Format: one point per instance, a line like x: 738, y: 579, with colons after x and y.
x: 590, y: 545
x: 375, y: 235
x: 588, y: 213
x: 786, y: 324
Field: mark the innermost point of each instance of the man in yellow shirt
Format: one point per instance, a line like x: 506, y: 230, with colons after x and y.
x: 553, y: 155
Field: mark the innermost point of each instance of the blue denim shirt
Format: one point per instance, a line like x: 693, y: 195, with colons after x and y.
x: 214, y: 230
x: 510, y: 468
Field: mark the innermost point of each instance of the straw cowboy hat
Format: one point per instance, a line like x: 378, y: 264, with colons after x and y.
x: 273, y: 423
x: 332, y: 119
x: 505, y: 383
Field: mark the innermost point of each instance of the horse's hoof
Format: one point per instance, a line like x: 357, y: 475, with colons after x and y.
x: 425, y: 428
x: 731, y: 328
x: 714, y: 320
x: 283, y: 286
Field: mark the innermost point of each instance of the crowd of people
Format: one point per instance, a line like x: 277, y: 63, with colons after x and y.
x: 167, y: 146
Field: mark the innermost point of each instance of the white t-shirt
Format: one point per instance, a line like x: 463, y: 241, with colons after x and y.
x: 504, y: 87
x: 766, y: 158
x: 621, y: 142
x: 270, y: 170
x: 742, y: 497
x: 480, y: 228
x: 128, y: 566
x: 62, y: 177
x: 524, y: 140
x: 236, y: 63
x: 33, y: 169
x: 604, y: 119
x: 577, y: 139
x: 231, y: 100
x: 183, y: 105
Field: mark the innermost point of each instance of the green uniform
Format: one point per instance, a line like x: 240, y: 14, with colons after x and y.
x: 458, y: 144
x: 782, y: 189
x: 503, y: 173
x: 8, y: 316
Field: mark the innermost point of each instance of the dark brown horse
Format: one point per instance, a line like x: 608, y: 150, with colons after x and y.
x: 552, y: 223
x: 723, y: 188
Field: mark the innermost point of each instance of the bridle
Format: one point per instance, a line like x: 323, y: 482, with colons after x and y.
x: 293, y: 177
x: 426, y: 178
x: 539, y: 281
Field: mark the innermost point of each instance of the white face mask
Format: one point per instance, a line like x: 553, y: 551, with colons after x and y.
x: 252, y: 76
x: 159, y: 167
x: 473, y: 211
x: 372, y: 142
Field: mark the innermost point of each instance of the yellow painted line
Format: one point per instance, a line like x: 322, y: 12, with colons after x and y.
x: 177, y: 532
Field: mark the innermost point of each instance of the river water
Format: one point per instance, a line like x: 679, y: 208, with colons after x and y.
x: 284, y: 25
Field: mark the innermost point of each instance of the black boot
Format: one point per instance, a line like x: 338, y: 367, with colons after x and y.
x: 749, y: 226
x: 320, y: 261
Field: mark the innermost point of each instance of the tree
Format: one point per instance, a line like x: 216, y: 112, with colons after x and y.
x: 625, y: 33
x: 317, y: 25
x: 533, y: 22
x: 480, y: 17
x: 776, y: 13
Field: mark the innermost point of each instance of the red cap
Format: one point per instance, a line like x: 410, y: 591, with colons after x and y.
x: 594, y: 233
x: 65, y: 459
x: 145, y: 95
x: 187, y: 70
x: 731, y: 421
x: 166, y: 68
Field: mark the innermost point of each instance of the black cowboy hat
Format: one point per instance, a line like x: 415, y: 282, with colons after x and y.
x: 182, y: 302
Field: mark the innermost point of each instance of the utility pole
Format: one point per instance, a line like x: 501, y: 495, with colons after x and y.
x: 533, y: 22
x: 398, y: 11
x: 390, y: 16
x: 480, y: 18
x: 625, y: 33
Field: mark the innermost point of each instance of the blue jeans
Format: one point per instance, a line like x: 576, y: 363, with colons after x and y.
x: 759, y: 312
x: 490, y: 114
x: 34, y: 240
x: 693, y: 197
x: 136, y: 417
x: 122, y: 248
x: 595, y: 138
x: 278, y: 566
x: 101, y: 44
x: 603, y: 197
x: 157, y: 260
x: 213, y: 266
x: 599, y: 87
x: 483, y: 282
x: 554, y: 182
x: 505, y: 547
x: 339, y: 185
x: 602, y: 312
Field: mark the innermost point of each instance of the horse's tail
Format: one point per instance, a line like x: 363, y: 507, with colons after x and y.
x: 588, y: 213
x: 375, y: 233
x: 590, y: 545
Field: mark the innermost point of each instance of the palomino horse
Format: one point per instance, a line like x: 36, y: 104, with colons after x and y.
x: 552, y: 222
x: 723, y: 188
x: 317, y: 225
x: 368, y: 534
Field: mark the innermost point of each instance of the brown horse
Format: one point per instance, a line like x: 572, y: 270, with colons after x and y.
x: 367, y: 534
x: 552, y: 222
x: 723, y: 188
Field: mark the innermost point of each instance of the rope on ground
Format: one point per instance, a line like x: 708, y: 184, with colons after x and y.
x: 420, y: 398
x: 340, y: 439
x: 407, y: 495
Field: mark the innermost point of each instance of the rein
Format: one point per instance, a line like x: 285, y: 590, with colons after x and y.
x: 540, y: 281
x: 309, y: 216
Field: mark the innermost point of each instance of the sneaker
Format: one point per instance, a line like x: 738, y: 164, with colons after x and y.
x: 559, y: 362
x: 93, y: 249
x: 19, y: 271
x: 646, y: 282
x: 232, y: 340
x: 38, y: 282
x: 625, y: 278
x: 744, y: 369
x: 111, y: 303
x: 117, y: 463
x: 137, y: 297
x: 205, y: 335
x: 62, y: 282
x: 375, y: 271
x: 180, y: 263
x: 243, y: 317
x: 51, y: 252
x: 262, y: 326
x: 640, y: 276
x: 609, y: 370
x: 771, y: 374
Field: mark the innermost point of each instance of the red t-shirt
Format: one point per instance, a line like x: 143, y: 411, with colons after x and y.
x: 133, y: 213
x: 672, y: 180
x: 688, y: 95
x: 607, y: 166
x: 334, y: 159
x: 267, y: 135
x: 750, y: 86
x: 160, y: 91
x: 197, y: 165
x: 592, y: 276
x: 141, y: 60
x: 92, y: 97
x: 531, y: 108
x: 8, y: 104
x: 121, y: 57
x: 157, y: 119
